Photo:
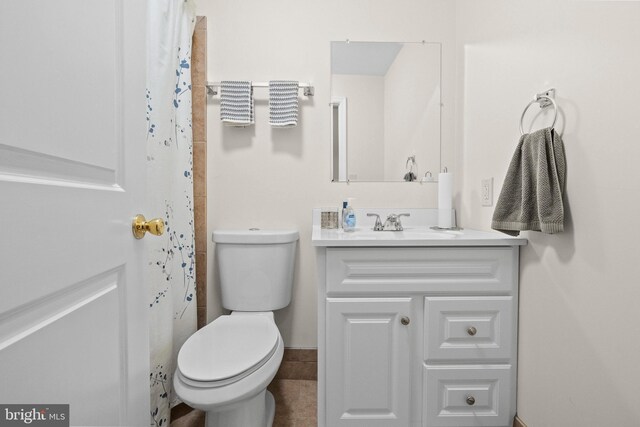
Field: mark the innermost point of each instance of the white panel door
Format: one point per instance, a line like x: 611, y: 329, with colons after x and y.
x: 73, y: 310
x: 368, y: 362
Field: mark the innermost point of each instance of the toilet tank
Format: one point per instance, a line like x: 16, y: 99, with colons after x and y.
x: 255, y: 268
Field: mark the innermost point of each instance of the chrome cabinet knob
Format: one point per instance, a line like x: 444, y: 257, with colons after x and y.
x: 405, y: 320
x: 471, y: 400
x: 472, y: 331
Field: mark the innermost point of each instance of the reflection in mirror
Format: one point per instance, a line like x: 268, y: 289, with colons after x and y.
x: 385, y: 110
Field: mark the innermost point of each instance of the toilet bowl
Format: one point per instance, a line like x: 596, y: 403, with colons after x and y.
x: 225, y: 367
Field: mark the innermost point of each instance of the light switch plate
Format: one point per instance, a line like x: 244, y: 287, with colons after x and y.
x: 486, y: 192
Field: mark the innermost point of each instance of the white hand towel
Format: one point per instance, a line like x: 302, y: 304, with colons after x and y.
x: 236, y: 103
x: 283, y: 103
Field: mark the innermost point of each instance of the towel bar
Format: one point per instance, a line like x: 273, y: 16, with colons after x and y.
x: 308, y: 89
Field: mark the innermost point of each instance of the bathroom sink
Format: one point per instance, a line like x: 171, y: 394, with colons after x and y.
x: 417, y: 232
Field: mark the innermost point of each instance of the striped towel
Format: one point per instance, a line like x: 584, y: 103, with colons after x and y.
x: 236, y: 103
x: 283, y: 103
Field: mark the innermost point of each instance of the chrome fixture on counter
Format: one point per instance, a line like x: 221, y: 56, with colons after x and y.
x: 392, y: 223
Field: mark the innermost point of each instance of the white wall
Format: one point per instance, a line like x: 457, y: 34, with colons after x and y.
x: 272, y: 178
x: 365, y: 124
x: 580, y: 290
x: 579, y: 351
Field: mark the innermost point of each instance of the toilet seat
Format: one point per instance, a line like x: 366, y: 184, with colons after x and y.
x: 227, y: 350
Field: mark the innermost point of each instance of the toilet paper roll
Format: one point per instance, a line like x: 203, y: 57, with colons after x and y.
x: 445, y: 199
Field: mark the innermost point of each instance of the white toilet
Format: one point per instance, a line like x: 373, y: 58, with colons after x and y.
x: 225, y: 367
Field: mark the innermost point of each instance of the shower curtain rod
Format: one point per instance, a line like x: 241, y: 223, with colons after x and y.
x: 212, y: 87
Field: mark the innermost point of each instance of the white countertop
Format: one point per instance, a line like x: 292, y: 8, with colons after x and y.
x: 414, y: 234
x: 411, y: 237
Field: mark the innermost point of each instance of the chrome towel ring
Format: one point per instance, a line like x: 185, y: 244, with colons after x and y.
x: 545, y: 100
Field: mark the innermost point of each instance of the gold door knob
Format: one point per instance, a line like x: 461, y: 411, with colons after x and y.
x: 140, y: 226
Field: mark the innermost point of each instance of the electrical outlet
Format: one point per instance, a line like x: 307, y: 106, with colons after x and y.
x: 486, y: 192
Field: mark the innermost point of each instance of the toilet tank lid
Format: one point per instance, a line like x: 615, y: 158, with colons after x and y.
x: 255, y: 236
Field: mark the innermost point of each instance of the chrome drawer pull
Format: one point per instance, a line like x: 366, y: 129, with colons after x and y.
x: 471, y: 400
x: 472, y: 330
x: 405, y: 320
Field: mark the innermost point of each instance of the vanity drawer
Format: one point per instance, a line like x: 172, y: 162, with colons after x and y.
x: 469, y: 329
x: 468, y: 396
x: 396, y: 270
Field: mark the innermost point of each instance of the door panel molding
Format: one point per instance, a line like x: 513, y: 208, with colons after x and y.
x: 25, y: 320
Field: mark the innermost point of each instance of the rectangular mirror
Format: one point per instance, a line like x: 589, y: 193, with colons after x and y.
x: 385, y: 110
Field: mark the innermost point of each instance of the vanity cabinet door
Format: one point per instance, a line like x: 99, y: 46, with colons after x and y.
x: 368, y: 361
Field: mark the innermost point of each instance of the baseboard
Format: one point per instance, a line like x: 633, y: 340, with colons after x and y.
x: 299, y: 364
x: 517, y: 422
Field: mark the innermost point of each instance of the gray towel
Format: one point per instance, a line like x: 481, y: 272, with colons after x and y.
x: 236, y: 103
x: 531, y: 196
x: 283, y: 103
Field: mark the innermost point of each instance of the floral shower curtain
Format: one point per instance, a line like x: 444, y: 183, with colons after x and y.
x: 171, y: 270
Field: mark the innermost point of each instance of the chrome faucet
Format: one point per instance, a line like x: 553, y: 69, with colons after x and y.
x: 378, y: 226
x: 392, y: 222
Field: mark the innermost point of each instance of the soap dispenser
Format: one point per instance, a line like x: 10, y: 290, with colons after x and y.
x: 348, y: 216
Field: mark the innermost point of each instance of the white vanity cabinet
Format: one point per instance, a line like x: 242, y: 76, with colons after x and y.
x: 417, y: 335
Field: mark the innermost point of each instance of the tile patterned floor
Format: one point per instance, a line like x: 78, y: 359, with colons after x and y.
x: 195, y: 418
x: 295, y: 403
